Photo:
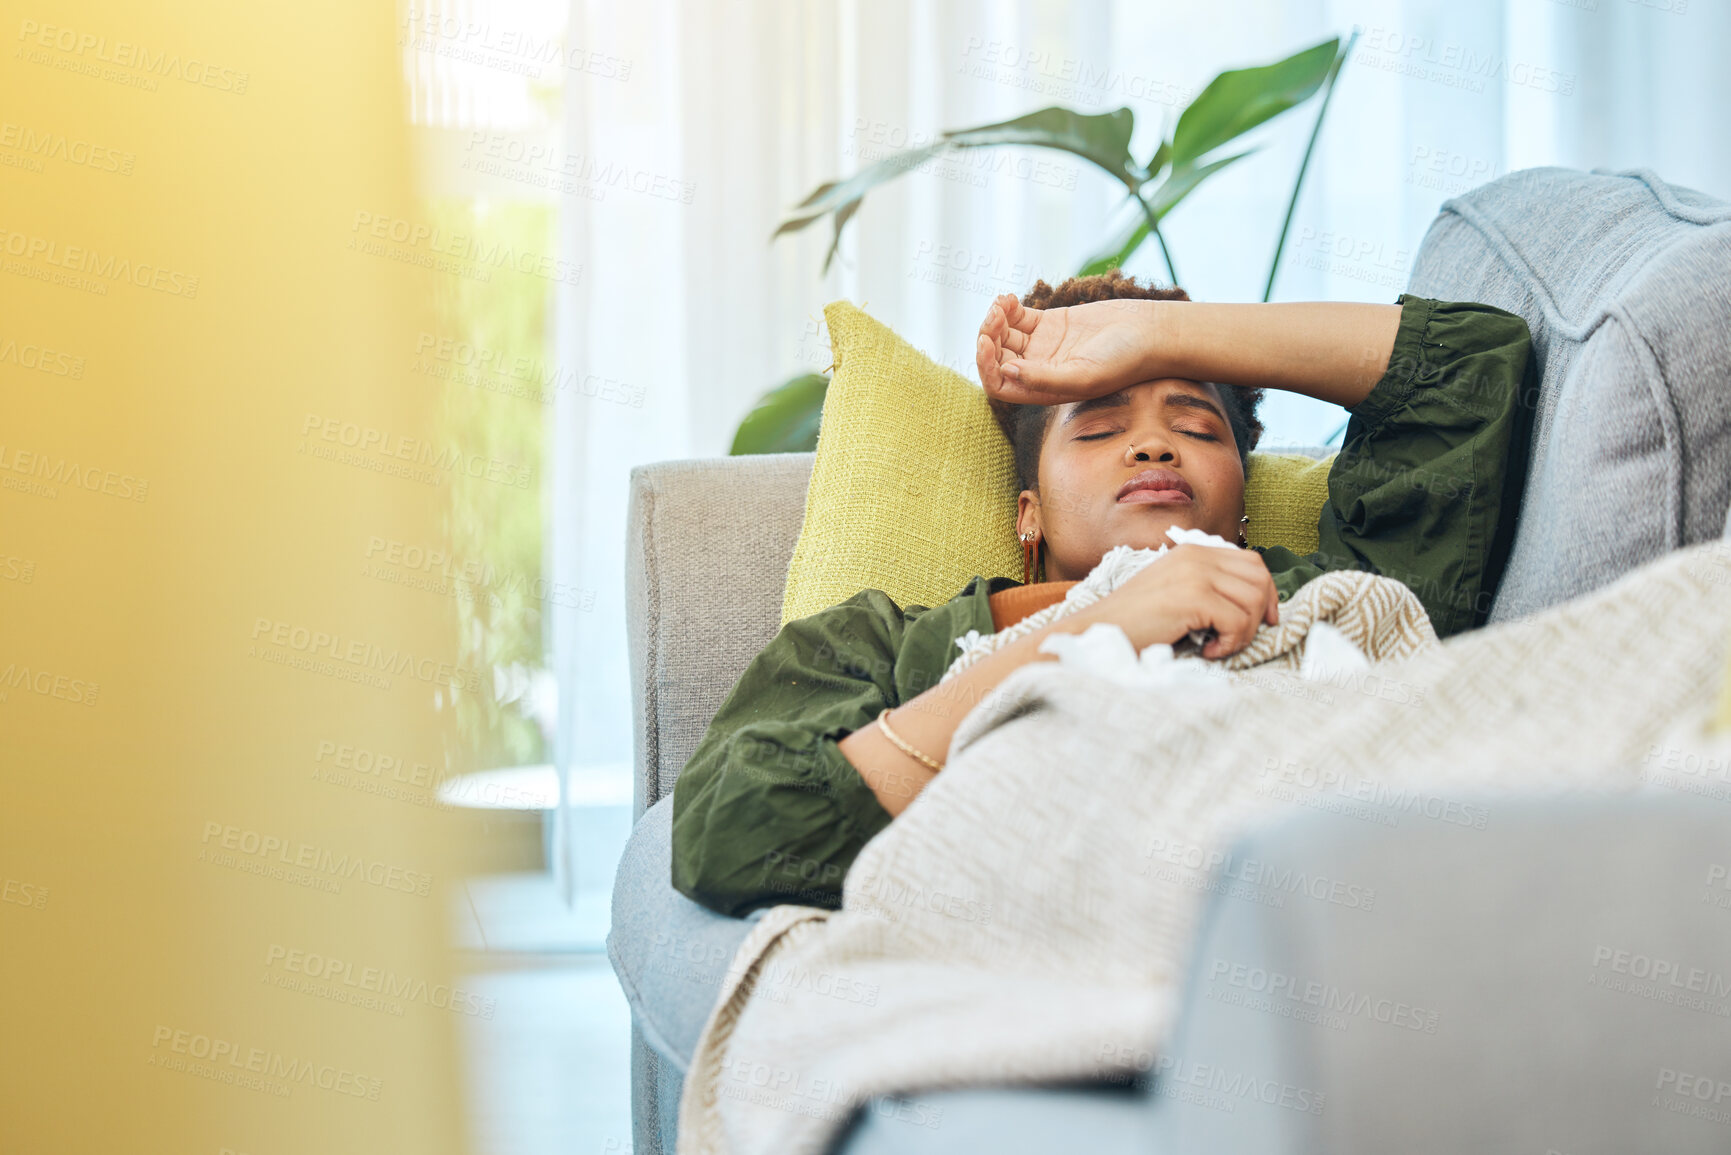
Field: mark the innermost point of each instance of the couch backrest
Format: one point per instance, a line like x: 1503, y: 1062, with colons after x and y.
x: 1625, y: 282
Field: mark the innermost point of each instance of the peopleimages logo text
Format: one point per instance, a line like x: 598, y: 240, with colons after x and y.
x: 311, y: 857
x: 105, y: 267
x: 159, y: 62
x: 356, y: 651
x: 167, y: 1043
x: 47, y: 683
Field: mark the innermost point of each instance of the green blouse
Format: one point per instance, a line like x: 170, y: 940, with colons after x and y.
x: 1425, y: 489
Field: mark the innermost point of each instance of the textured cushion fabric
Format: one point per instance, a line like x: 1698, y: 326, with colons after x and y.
x: 913, y: 488
x: 1625, y: 284
x: 1284, y: 496
x: 913, y: 484
x: 706, y: 552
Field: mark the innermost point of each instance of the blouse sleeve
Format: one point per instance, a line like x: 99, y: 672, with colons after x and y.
x: 1428, y: 480
x: 768, y: 810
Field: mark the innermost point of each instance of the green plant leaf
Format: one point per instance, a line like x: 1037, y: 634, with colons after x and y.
x: 1304, y: 165
x: 784, y: 420
x: 1118, y: 248
x: 1102, y: 137
x: 1238, y: 100
x: 1184, y: 179
x: 1161, y: 201
x: 833, y: 196
x: 1159, y: 159
x: 842, y: 216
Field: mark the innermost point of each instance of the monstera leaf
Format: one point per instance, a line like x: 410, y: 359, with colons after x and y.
x: 1237, y: 101
x: 1233, y: 103
x: 1103, y: 138
x: 1174, y: 189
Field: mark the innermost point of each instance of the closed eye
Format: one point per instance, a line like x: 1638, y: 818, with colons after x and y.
x: 1186, y: 432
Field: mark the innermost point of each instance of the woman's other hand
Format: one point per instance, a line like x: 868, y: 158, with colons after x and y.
x: 1194, y: 587
x: 1052, y: 356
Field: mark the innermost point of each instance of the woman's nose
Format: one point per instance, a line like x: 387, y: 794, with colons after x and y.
x: 1135, y: 452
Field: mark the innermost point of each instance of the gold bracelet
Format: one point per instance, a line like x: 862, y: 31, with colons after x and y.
x: 883, y: 724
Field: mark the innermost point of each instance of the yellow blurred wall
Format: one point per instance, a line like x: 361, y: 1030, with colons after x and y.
x: 223, y: 892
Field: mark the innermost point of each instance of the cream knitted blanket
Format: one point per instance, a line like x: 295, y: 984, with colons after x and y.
x: 1364, y: 614
x: 1025, y: 920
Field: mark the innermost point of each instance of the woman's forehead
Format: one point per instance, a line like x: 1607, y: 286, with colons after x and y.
x: 1162, y: 389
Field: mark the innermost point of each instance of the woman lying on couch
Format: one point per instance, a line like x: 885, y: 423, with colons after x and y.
x: 1104, y: 388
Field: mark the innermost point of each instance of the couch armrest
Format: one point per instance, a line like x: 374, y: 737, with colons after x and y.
x: 707, y: 546
x: 1556, y: 981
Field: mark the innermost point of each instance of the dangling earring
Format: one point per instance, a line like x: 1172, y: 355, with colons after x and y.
x: 1030, y: 553
x: 1243, y: 542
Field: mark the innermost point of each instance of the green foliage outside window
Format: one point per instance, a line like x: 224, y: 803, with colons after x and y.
x: 494, y: 528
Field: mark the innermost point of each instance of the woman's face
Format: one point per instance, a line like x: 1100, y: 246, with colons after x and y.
x: 1177, y: 427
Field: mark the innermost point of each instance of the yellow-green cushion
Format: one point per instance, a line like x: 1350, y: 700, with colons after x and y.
x: 1283, y: 495
x: 913, y: 487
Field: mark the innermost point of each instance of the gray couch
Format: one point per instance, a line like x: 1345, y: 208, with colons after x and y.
x: 1516, y: 942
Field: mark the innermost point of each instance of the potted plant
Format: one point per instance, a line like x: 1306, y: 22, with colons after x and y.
x: 785, y: 419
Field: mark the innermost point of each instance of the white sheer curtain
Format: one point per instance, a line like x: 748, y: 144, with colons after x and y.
x: 724, y: 115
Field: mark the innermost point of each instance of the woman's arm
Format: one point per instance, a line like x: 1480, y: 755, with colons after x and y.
x: 1190, y: 587
x: 1427, y: 484
x: 774, y: 804
x: 766, y: 810
x: 1333, y: 351
x: 929, y: 721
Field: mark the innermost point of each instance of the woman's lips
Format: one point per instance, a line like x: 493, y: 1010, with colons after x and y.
x: 1155, y: 497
